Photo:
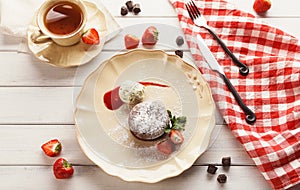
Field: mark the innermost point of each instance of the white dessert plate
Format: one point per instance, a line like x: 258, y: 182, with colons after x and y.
x: 78, y: 54
x: 104, y: 136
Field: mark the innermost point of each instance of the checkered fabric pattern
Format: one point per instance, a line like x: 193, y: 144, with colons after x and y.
x: 271, y: 89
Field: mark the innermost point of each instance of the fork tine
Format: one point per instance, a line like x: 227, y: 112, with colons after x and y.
x: 192, y: 11
x: 189, y: 11
x: 195, y: 8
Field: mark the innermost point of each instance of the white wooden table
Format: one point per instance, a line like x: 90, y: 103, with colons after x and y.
x: 36, y: 105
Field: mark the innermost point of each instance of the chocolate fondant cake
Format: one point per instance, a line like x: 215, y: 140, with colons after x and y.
x: 148, y: 120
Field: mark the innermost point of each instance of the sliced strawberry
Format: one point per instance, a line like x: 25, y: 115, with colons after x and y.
x: 261, y: 6
x: 131, y: 41
x: 62, y: 169
x: 91, y: 36
x: 165, y: 147
x: 52, y: 148
x: 150, y: 36
x: 176, y: 137
x: 112, y: 99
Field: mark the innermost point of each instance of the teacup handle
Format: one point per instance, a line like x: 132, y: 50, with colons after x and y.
x: 39, y: 37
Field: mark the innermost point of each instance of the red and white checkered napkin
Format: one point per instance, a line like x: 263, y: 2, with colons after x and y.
x: 271, y: 89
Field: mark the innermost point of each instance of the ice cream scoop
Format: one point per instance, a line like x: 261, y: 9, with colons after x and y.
x: 131, y: 92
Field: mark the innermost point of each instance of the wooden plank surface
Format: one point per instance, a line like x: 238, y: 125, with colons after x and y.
x: 91, y: 178
x: 25, y: 70
x: 28, y: 105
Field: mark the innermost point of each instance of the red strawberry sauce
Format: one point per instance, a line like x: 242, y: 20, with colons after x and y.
x: 153, y: 84
x: 112, y: 99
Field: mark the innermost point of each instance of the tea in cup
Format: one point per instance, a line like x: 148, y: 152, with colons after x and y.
x: 62, y: 20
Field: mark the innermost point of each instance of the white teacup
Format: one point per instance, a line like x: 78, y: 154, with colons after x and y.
x: 61, y: 20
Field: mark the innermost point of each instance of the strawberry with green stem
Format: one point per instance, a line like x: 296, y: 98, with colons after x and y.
x: 62, y: 169
x: 176, y: 125
x: 52, y: 148
x: 150, y: 36
x: 175, y: 137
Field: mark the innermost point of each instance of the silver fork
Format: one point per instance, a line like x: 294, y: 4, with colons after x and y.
x: 200, y: 21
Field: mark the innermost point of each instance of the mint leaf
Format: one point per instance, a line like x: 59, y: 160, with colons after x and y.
x: 179, y: 123
x: 167, y: 130
x: 169, y: 113
x: 176, y: 123
x: 181, y: 120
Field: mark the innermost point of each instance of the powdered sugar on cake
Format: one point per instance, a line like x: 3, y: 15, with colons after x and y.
x: 148, y: 120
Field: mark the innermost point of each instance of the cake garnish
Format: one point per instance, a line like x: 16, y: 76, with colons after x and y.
x: 175, y: 137
x: 176, y: 123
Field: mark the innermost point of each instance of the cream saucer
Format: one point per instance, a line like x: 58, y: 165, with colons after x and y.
x: 78, y: 54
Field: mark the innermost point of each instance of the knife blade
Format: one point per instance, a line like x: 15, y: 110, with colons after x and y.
x: 208, y: 56
x: 214, y: 65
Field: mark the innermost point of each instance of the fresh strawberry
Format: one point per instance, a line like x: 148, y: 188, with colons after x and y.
x: 131, y: 41
x: 62, y: 169
x: 150, y: 36
x: 91, y: 36
x: 52, y: 148
x: 261, y: 6
x: 176, y: 137
x: 165, y: 147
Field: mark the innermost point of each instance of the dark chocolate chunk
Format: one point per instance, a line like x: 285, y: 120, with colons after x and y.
x: 124, y: 11
x: 136, y: 9
x: 222, y: 178
x: 129, y: 5
x: 212, y: 169
x: 179, y: 53
x: 179, y: 40
x: 226, y: 161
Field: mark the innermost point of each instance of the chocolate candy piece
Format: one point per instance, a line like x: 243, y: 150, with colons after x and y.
x: 124, y: 11
x: 129, y: 5
x: 212, y: 169
x: 226, y: 161
x: 136, y: 9
x: 179, y: 40
x: 222, y: 178
x: 179, y: 53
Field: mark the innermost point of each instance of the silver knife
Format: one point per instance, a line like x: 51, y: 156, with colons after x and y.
x: 214, y: 65
x: 208, y: 56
